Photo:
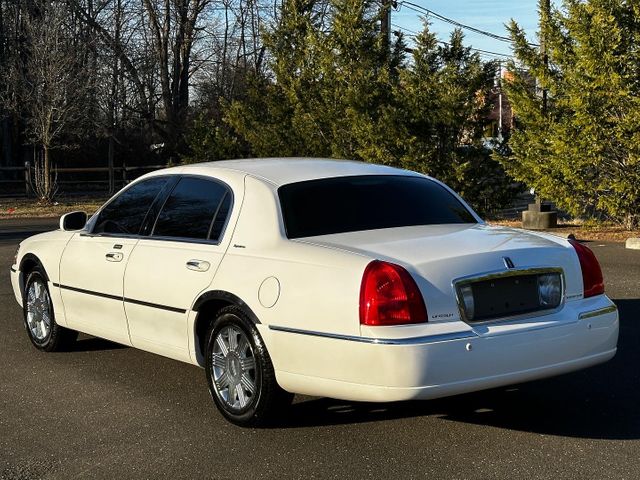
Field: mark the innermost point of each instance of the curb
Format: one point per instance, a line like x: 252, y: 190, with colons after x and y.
x: 633, y: 243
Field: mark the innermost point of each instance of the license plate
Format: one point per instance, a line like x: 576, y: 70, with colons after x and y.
x: 503, y: 297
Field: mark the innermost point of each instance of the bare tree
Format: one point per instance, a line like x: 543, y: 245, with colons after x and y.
x: 49, y: 83
x: 134, y: 67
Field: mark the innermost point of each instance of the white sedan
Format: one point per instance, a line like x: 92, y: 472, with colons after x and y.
x: 320, y: 277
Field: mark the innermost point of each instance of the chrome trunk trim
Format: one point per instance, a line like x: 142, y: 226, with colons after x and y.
x: 514, y: 272
x: 597, y: 312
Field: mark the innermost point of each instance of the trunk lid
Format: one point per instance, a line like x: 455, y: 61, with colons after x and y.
x: 437, y: 255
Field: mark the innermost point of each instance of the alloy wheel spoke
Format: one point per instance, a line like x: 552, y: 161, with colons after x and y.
x: 233, y: 339
x: 219, y: 361
x: 233, y: 366
x: 247, y: 383
x: 242, y: 398
x: 243, y: 345
x: 222, y: 382
x: 39, y: 330
x: 247, y: 364
x: 224, y: 349
x: 43, y: 329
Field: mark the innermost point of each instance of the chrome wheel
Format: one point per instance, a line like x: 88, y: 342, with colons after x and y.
x: 38, y: 310
x: 234, y: 368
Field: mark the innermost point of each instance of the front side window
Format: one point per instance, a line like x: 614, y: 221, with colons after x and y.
x: 371, y: 202
x: 126, y: 213
x: 196, y: 209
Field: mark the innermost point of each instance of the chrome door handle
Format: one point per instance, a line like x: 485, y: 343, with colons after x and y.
x: 114, y: 256
x: 198, y: 265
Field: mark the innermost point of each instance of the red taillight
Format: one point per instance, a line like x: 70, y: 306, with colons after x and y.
x: 389, y: 296
x: 591, y: 273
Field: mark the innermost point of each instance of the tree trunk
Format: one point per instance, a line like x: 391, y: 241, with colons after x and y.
x: 46, y: 170
x: 111, y: 170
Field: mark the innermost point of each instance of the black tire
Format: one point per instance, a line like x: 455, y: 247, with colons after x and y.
x: 51, y: 337
x: 266, y: 402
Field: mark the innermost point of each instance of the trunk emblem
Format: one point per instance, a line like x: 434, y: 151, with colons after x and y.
x: 507, y: 262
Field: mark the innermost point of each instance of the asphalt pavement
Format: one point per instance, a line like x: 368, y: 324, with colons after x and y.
x: 107, y: 411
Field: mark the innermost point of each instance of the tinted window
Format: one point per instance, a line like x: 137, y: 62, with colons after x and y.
x: 348, y: 204
x: 193, y: 209
x: 126, y: 212
x: 221, y: 218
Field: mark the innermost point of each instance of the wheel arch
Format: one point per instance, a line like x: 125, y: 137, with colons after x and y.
x: 28, y: 262
x: 207, y: 305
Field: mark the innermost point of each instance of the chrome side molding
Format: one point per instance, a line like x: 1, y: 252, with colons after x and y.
x: 440, y: 337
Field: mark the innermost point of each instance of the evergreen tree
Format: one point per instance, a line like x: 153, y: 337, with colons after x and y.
x: 583, y: 150
x: 338, y: 91
x: 281, y: 116
x: 445, y: 104
x: 331, y: 85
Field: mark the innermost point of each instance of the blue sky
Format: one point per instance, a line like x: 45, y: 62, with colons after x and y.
x: 488, y: 15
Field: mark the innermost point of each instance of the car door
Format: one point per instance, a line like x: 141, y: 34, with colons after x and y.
x: 168, y: 269
x: 93, y: 263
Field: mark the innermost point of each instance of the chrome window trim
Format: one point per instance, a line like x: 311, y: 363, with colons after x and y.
x: 438, y: 337
x: 90, y: 226
x: 513, y: 272
x: 87, y: 233
x: 196, y: 240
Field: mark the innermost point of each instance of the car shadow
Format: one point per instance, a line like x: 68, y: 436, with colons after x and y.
x: 598, y: 403
x: 94, y: 344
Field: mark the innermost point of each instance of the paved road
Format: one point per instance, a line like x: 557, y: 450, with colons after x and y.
x: 107, y: 411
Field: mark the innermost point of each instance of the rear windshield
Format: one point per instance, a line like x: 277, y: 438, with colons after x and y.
x: 371, y: 202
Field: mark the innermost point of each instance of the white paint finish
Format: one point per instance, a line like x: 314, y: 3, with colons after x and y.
x: 85, y: 265
x: 159, y: 331
x: 392, y: 372
x: 15, y: 285
x: 437, y: 255
x: 269, y: 292
x: 280, y: 171
x: 48, y: 248
x: 317, y: 386
x: 318, y: 290
x: 157, y: 273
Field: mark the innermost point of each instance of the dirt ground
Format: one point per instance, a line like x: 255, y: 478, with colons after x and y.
x: 599, y: 232
x: 20, y: 207
x: 30, y: 208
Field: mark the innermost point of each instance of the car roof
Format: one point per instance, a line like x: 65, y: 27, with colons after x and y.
x: 281, y: 171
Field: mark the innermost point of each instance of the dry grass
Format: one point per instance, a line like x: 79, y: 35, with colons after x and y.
x: 582, y: 231
x: 30, y: 208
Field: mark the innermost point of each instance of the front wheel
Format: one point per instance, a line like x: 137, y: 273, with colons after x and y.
x: 239, y: 371
x: 39, y: 319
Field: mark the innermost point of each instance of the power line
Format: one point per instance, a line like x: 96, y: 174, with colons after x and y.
x: 413, y: 33
x: 420, y: 9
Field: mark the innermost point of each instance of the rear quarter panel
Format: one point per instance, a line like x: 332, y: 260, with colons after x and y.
x: 318, y: 288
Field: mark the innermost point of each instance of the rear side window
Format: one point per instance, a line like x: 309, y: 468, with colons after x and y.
x: 126, y: 213
x: 349, y: 204
x: 196, y: 209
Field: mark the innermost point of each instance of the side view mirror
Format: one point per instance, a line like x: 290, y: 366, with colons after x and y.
x: 73, y: 221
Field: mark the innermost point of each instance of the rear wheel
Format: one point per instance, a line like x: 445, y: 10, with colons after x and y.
x: 239, y: 371
x: 39, y: 318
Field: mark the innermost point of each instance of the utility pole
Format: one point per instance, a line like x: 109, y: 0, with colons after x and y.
x: 545, y: 13
x: 500, y: 136
x: 385, y: 23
